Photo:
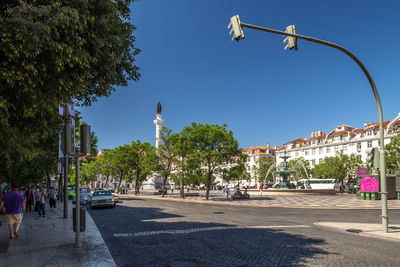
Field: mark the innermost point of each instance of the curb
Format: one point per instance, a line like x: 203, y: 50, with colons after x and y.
x: 241, y: 204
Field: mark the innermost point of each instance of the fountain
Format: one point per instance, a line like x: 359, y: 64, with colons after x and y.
x: 284, y: 173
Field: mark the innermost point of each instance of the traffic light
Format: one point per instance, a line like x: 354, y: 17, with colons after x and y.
x: 85, y: 138
x: 67, y: 140
x: 373, y: 157
x: 237, y: 29
x: 291, y: 41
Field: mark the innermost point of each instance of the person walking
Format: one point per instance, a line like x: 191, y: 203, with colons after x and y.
x: 15, y: 205
x: 172, y: 189
x: 261, y: 189
x: 52, y: 198
x: 29, y: 199
x: 227, y: 190
x: 40, y: 199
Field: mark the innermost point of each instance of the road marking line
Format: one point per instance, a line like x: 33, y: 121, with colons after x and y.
x: 194, y: 230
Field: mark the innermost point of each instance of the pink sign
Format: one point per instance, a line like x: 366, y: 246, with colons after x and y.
x: 362, y: 171
x: 369, y: 184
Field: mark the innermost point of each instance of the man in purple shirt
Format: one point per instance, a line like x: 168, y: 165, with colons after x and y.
x: 13, y: 201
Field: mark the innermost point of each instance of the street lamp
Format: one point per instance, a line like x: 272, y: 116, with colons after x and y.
x: 292, y: 44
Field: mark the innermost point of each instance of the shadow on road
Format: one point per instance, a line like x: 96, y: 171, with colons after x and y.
x: 135, y: 242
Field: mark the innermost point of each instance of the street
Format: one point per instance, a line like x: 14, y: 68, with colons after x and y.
x: 148, y: 232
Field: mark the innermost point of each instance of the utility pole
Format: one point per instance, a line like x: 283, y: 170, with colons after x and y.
x: 66, y: 149
x: 237, y: 30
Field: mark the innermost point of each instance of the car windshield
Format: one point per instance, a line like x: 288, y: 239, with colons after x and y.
x: 101, y: 193
x: 85, y: 190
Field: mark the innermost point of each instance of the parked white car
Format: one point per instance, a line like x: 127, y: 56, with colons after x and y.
x: 102, y: 198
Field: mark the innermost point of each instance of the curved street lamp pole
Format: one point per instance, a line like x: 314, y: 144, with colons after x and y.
x: 382, y: 168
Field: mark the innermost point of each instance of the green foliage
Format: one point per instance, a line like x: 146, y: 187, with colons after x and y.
x: 50, y: 52
x: 141, y: 161
x: 392, y: 151
x: 261, y: 168
x: 297, y: 164
x: 213, y: 146
x: 339, y: 167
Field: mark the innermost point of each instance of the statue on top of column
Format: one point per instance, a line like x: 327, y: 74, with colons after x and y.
x: 159, y: 108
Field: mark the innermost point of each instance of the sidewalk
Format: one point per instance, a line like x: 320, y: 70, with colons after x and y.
x: 279, y: 200
x: 365, y: 229
x: 49, y: 241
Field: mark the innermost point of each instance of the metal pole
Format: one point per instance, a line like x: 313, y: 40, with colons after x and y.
x: 65, y: 175
x: 382, y: 168
x: 77, y: 204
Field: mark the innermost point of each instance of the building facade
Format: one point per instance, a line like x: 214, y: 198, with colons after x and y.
x: 343, y: 138
x: 253, y: 154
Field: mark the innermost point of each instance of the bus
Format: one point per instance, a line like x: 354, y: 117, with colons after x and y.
x: 314, y: 183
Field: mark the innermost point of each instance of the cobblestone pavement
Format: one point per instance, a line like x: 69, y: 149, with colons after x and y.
x: 338, y: 201
x: 151, y: 232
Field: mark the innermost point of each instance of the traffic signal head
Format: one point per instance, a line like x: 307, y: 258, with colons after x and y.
x: 237, y: 29
x: 291, y: 41
x: 373, y: 157
x: 85, y: 138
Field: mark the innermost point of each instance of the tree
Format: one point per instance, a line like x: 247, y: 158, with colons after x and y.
x: 120, y: 160
x: 167, y: 155
x: 106, y: 167
x: 51, y: 52
x: 142, y: 161
x: 339, y: 167
x: 260, y: 170
x: 213, y: 147
x: 183, y: 147
x: 392, y: 151
x: 302, y: 166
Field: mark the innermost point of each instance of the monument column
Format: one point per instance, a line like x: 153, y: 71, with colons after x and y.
x: 158, y: 122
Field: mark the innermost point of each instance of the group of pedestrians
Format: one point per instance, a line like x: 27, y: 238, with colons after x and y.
x: 17, y: 201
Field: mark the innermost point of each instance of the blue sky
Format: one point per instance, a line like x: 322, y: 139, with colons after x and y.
x: 262, y: 92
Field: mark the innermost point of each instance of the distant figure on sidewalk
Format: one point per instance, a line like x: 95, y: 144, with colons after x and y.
x: 40, y: 199
x: 172, y: 189
x: 52, y: 198
x: 13, y: 201
x: 261, y: 189
x: 29, y: 199
x: 227, y: 190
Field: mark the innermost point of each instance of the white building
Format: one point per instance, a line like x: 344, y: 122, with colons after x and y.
x: 254, y: 153
x: 343, y: 138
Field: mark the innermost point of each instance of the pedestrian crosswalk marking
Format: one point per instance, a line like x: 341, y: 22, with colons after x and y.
x: 194, y: 230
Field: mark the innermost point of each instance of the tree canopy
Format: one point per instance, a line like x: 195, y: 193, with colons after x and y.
x: 51, y: 52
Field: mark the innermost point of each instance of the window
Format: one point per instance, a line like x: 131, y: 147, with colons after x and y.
x: 362, y: 135
x: 320, y: 150
x: 297, y: 153
x: 369, y: 144
x: 328, y: 149
x: 359, y: 147
x: 313, y: 142
x: 344, y: 147
x: 321, y: 160
x: 313, y: 151
x: 336, y: 148
x: 369, y: 133
x: 307, y: 152
x: 313, y: 162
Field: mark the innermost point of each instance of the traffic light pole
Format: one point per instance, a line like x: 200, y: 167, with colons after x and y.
x: 382, y: 168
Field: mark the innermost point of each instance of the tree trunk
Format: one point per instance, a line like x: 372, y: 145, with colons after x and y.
x: 60, y: 186
x: 183, y: 180
x: 136, y: 186
x: 208, y: 185
x: 163, y: 185
x: 106, y: 183
x: 120, y: 181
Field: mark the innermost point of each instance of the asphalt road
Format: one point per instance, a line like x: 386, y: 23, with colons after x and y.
x: 146, y: 232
